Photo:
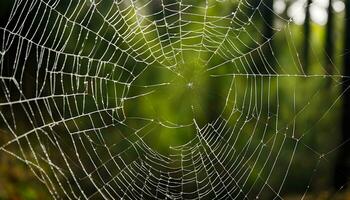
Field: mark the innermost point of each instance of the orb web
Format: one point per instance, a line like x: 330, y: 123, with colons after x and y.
x: 155, y: 99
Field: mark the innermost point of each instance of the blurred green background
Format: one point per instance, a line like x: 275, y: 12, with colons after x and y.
x: 284, y: 77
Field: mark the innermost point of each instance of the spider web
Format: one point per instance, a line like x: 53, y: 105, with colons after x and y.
x: 90, y: 89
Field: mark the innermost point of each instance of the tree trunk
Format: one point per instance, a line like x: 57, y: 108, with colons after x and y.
x: 268, y: 17
x: 329, y: 47
x: 306, y: 43
x: 267, y: 66
x: 342, y: 166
